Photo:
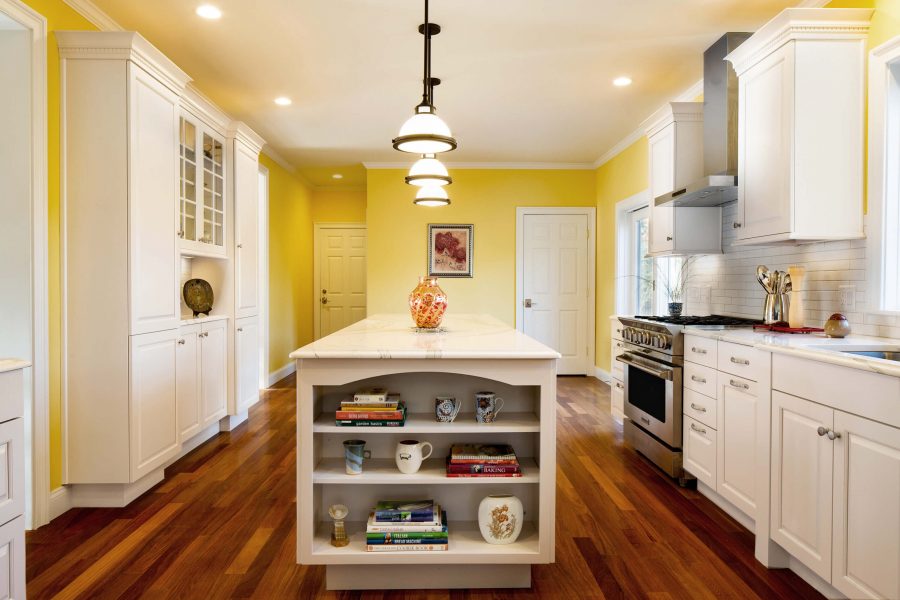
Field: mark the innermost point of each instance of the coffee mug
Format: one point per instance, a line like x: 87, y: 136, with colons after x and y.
x: 487, y: 406
x: 446, y: 408
x: 409, y: 455
x: 354, y: 453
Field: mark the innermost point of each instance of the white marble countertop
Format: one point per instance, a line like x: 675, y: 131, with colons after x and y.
x: 12, y: 364
x: 461, y: 336
x: 814, y: 346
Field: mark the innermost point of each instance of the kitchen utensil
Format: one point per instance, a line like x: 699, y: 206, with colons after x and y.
x: 776, y: 306
x: 762, y: 275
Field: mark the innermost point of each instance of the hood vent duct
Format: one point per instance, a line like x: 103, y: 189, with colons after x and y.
x: 720, y: 131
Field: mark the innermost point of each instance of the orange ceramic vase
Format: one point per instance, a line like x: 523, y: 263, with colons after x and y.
x: 427, y: 303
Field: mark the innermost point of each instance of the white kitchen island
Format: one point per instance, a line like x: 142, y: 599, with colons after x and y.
x: 472, y: 353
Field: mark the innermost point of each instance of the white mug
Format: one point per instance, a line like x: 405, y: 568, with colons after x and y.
x: 409, y: 455
x: 487, y: 406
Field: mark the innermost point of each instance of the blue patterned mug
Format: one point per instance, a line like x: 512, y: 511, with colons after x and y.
x: 487, y: 406
x: 354, y: 453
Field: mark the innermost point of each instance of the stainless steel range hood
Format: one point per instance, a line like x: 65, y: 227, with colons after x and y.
x: 720, y: 124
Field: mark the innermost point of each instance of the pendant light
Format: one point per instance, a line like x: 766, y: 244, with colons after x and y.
x: 432, y: 195
x: 425, y: 132
x: 428, y: 171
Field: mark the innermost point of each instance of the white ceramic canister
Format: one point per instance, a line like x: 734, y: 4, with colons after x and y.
x: 500, y: 518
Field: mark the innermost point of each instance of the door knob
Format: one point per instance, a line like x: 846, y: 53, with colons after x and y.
x: 324, y: 300
x: 528, y: 302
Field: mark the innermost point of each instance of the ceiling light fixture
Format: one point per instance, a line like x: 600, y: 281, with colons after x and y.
x: 283, y: 101
x: 432, y: 195
x: 622, y: 81
x: 208, y: 11
x: 337, y: 176
x: 425, y: 132
x: 428, y: 171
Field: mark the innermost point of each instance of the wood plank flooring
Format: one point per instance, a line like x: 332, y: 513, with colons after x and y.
x: 222, y: 526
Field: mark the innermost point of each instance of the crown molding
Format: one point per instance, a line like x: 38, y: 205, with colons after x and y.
x: 813, y: 3
x: 524, y: 166
x: 92, y: 13
x: 198, y: 104
x: 687, y: 95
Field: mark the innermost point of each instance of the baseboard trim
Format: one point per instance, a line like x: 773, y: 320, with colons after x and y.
x: 113, y: 495
x: 733, y: 511
x: 279, y: 374
x: 229, y: 422
x: 602, y: 375
x: 60, y: 501
x: 807, y: 575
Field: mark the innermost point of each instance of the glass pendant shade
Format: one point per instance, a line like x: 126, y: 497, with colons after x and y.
x: 428, y: 171
x: 424, y: 133
x: 432, y: 195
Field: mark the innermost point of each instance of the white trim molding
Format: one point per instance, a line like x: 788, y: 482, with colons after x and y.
x: 37, y: 510
x: 60, y: 502
x: 623, y: 209
x: 884, y: 150
x: 591, y: 213
x: 92, y: 13
x: 279, y: 374
x: 603, y: 375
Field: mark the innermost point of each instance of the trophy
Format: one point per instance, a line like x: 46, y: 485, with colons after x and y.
x: 339, y: 512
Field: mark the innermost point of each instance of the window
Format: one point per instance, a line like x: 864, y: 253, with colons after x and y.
x: 884, y: 176
x: 641, y: 266
x: 642, y: 282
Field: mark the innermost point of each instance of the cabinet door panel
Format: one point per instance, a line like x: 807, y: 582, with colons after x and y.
x: 153, y: 204
x: 214, y: 372
x: 802, y: 463
x: 187, y: 371
x: 766, y: 107
x: 246, y: 214
x: 737, y: 431
x: 12, y: 469
x: 12, y: 559
x: 700, y: 451
x: 662, y: 173
x: 154, y: 424
x: 246, y: 355
x: 866, y: 508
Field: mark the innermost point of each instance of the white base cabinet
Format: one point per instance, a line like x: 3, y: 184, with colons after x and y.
x: 617, y: 387
x: 246, y: 358
x: 202, y: 371
x: 737, y: 430
x: 12, y: 479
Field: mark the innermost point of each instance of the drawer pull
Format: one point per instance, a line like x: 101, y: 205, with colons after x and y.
x: 698, y: 408
x: 620, y: 386
x: 698, y: 379
x: 740, y: 361
x: 739, y: 385
x: 698, y: 429
x: 698, y: 350
x: 620, y: 345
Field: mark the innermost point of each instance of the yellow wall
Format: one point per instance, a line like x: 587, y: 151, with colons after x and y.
x: 623, y: 176
x: 59, y: 17
x: 485, y: 198
x: 339, y: 206
x: 290, y: 264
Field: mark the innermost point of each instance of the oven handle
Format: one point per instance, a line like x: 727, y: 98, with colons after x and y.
x: 661, y: 373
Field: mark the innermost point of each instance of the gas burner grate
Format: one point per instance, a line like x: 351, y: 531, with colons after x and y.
x: 707, y: 320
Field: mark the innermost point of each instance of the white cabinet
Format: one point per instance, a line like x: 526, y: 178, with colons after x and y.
x: 203, y: 204
x: 120, y: 260
x: 866, y: 517
x: 700, y: 451
x: 154, y: 423
x: 617, y: 387
x: 246, y: 356
x: 12, y: 479
x: 245, y: 171
x: 202, y: 376
x: 12, y: 559
x: 801, y: 127
x: 676, y: 160
x: 737, y: 432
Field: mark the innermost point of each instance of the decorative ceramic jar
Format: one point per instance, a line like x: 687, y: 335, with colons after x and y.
x: 427, y: 303
x: 837, y: 326
x: 500, y: 518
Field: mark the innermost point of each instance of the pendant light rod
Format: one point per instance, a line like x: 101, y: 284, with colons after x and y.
x: 428, y: 29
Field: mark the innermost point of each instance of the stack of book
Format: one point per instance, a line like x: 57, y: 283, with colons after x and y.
x: 371, y: 408
x: 483, y: 460
x: 407, y: 526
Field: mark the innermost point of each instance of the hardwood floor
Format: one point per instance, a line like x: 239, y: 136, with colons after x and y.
x: 222, y: 526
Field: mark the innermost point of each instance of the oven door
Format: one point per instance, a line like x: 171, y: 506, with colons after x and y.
x: 653, y: 396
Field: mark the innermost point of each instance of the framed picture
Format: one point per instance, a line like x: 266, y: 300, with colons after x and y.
x: 450, y: 250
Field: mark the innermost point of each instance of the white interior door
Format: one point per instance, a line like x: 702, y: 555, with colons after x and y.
x: 342, y: 277
x: 555, y: 284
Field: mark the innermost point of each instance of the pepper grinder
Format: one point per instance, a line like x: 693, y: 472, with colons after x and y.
x: 798, y: 290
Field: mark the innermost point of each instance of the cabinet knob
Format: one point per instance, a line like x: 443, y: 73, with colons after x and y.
x: 240, y: 245
x: 668, y: 238
x: 240, y: 329
x: 620, y: 386
x: 181, y: 342
x: 832, y: 435
x: 736, y: 225
x: 181, y: 233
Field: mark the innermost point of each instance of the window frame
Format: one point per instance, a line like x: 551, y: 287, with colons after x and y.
x: 884, y: 182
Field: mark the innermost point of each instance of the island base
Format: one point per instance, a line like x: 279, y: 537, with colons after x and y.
x: 415, y: 577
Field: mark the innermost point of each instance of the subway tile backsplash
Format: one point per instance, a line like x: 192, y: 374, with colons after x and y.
x: 734, y: 290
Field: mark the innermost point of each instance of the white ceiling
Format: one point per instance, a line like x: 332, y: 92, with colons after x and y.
x: 524, y: 80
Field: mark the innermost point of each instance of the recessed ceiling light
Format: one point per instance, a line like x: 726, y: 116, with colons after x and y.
x: 337, y: 176
x: 208, y: 11
x: 283, y: 101
x: 622, y: 81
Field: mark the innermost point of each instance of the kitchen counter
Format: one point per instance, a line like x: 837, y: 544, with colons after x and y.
x: 12, y: 364
x: 460, y: 336
x: 809, y: 345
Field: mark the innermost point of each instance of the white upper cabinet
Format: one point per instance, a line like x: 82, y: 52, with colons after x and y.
x: 202, y: 188
x: 245, y: 146
x: 801, y: 127
x: 676, y: 160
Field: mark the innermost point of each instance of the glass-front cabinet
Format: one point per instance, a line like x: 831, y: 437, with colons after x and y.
x: 202, y: 189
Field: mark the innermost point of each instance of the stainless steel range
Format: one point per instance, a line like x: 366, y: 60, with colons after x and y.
x: 653, y: 360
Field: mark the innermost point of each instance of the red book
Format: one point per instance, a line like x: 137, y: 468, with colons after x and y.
x: 484, y: 474
x: 352, y: 415
x: 482, y: 469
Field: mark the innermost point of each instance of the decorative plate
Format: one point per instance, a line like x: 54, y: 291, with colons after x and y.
x: 198, y: 295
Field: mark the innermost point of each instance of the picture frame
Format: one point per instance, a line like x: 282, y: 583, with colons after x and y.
x: 450, y: 250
